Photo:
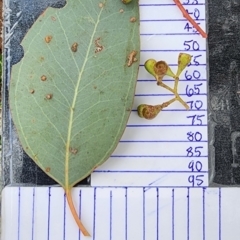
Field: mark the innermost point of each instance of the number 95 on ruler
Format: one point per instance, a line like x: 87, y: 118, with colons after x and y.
x: 198, y: 160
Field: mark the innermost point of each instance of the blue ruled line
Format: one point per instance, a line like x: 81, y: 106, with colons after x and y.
x: 169, y: 34
x: 94, y: 213
x: 172, y: 50
x: 173, y: 212
x: 168, y: 4
x: 64, y: 216
x: 145, y: 171
x: 110, y: 215
x: 165, y: 94
x: 188, y: 213
x: 126, y: 213
x: 166, y: 125
x: 148, y: 187
x: 168, y: 20
x: 157, y: 213
x: 172, y: 80
x: 80, y: 211
x: 144, y: 215
x: 176, y: 65
x: 161, y: 141
x: 49, y: 203
x: 152, y: 156
x: 33, y: 212
x: 19, y: 211
x: 178, y: 110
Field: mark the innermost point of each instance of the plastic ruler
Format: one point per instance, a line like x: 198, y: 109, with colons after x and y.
x: 122, y: 213
x: 154, y: 186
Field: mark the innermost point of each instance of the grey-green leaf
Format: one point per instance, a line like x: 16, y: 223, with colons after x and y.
x: 72, y: 92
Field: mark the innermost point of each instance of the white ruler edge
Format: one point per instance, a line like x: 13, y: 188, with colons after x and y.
x: 150, y: 153
x: 41, y: 213
x: 172, y: 149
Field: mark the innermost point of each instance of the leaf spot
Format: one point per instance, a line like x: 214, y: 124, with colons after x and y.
x: 132, y: 58
x: 99, y: 47
x: 48, y: 169
x: 121, y: 10
x: 35, y: 158
x: 73, y: 150
x: 53, y: 18
x: 133, y: 19
x: 41, y: 59
x: 43, y: 78
x: 74, y: 47
x: 95, y: 87
x: 32, y: 91
x: 49, y: 96
x: 48, y: 39
x: 101, y: 5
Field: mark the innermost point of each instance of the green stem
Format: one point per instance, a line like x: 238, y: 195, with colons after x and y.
x: 174, y: 91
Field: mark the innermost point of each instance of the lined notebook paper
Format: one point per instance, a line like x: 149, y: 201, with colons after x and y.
x: 124, y: 202
x: 172, y: 149
x: 122, y: 214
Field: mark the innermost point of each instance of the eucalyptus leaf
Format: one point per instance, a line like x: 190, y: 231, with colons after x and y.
x: 72, y: 92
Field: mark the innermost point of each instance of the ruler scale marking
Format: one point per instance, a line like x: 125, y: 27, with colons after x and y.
x: 79, y: 212
x: 94, y: 212
x: 19, y: 211
x: 49, y: 206
x: 173, y: 214
x: 33, y: 212
x: 157, y: 42
x: 168, y: 176
x: 188, y: 213
x: 111, y: 215
x: 157, y: 215
x: 64, y: 216
x: 126, y: 216
x: 172, y: 201
x: 144, y: 214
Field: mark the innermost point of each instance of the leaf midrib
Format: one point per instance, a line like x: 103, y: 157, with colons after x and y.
x: 74, y: 103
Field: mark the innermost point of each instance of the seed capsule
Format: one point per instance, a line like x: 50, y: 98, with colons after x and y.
x: 148, y: 111
x: 158, y: 69
x: 149, y: 66
x: 183, y: 60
